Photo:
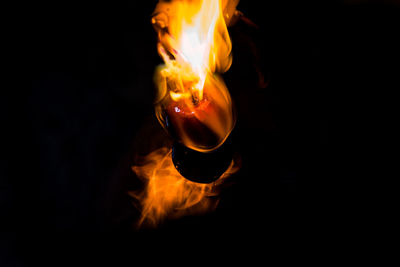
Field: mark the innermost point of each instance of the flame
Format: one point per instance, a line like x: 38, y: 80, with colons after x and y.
x: 167, y: 194
x: 195, y: 45
x: 193, y: 104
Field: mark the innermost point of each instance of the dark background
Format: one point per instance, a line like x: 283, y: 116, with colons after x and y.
x: 71, y: 134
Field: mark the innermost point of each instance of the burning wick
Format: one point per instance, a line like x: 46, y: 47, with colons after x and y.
x: 194, y: 106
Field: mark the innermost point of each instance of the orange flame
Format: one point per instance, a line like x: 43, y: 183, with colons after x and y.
x: 167, y: 194
x: 193, y: 104
x: 195, y: 46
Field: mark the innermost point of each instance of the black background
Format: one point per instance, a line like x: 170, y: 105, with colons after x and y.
x: 90, y: 66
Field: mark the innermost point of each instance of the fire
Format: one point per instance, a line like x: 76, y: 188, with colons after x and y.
x: 195, y: 45
x: 193, y: 104
x: 167, y: 194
